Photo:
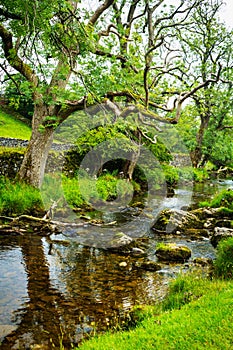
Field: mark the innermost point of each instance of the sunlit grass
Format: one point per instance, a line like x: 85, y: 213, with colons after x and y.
x: 10, y: 126
x: 197, y: 315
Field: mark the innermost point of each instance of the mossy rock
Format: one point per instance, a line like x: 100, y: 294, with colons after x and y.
x: 219, y: 234
x: 171, y: 252
x: 120, y: 241
x: 171, y: 220
x: 196, y: 233
x: 203, y: 261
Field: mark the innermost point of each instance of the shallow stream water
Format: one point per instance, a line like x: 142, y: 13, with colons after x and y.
x: 62, y: 292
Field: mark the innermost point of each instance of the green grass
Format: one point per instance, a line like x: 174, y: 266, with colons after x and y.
x: 224, y: 262
x: 197, y: 314
x: 10, y: 126
x: 223, y: 199
x: 17, y: 198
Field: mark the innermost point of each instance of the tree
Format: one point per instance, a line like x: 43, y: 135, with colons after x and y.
x: 74, y: 57
x: 207, y: 48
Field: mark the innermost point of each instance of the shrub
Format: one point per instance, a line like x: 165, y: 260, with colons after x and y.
x: 200, y: 174
x: 223, y: 265
x: 171, y: 174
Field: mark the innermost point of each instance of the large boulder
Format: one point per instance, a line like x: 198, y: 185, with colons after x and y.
x: 120, y: 240
x: 171, y: 252
x: 173, y: 220
x: 219, y: 234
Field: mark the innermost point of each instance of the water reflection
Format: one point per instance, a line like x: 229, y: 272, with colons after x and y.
x: 72, y: 292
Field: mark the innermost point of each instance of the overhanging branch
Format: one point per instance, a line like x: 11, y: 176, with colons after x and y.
x: 9, y: 15
x: 13, y: 59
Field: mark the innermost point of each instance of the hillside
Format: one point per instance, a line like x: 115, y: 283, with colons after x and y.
x: 13, y: 125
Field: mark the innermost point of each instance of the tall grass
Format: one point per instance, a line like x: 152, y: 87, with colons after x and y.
x: 17, y: 198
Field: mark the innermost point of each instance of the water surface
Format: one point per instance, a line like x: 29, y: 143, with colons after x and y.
x: 64, y: 291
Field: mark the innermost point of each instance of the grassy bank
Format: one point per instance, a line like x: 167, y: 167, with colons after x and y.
x: 197, y: 314
x: 11, y: 126
x: 17, y: 198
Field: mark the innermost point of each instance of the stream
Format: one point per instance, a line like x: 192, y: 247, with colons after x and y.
x: 60, y: 293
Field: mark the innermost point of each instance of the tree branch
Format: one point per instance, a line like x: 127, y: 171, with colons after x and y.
x: 14, y: 60
x: 121, y: 58
x: 223, y: 127
x: 98, y: 12
x: 71, y: 107
x: 201, y: 85
x: 9, y: 15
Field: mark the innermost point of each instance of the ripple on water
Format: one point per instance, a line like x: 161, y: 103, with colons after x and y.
x: 13, y: 284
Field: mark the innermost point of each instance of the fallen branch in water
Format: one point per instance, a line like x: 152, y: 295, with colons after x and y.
x: 27, y: 224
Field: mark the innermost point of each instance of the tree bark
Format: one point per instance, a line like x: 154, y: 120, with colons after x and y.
x: 33, y: 166
x: 197, y: 154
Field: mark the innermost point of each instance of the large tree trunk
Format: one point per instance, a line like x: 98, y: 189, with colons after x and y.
x: 33, y: 166
x: 197, y: 154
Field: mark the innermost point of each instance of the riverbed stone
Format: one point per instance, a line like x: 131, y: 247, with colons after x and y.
x: 149, y: 265
x: 219, y: 234
x: 203, y: 261
x: 120, y: 240
x: 196, y: 233
x: 172, y: 252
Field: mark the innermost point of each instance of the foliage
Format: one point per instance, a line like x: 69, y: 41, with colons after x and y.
x: 19, y: 95
x: 71, y: 56
x: 85, y: 191
x: 171, y: 174
x: 200, y: 174
x: 223, y: 264
x: 17, y: 198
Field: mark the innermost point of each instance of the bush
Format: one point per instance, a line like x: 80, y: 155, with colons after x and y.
x: 223, y: 265
x: 200, y: 174
x: 171, y: 174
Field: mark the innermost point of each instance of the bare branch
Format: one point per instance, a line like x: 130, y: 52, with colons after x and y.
x: 202, y: 85
x: 10, y: 77
x: 154, y: 141
x: 99, y: 11
x: 224, y: 127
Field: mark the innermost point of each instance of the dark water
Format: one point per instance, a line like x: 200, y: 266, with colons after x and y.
x: 58, y: 294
